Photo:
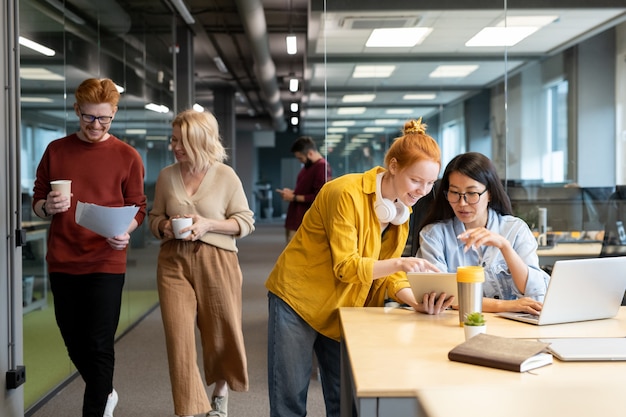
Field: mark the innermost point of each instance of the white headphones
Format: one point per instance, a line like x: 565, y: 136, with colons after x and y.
x: 386, y: 210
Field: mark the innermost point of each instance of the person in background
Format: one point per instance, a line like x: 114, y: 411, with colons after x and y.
x: 199, y: 279
x: 313, y: 175
x: 87, y: 270
x: 470, y: 223
x: 346, y: 253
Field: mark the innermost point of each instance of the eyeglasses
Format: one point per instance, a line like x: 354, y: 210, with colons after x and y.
x: 90, y: 118
x: 470, y: 197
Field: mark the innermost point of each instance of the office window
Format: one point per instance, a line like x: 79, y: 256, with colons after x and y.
x: 556, y: 152
x: 452, y: 141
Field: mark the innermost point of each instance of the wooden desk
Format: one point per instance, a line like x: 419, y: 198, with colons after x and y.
x: 393, y: 357
x: 569, y: 251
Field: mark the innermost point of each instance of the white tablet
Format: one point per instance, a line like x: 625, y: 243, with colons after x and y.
x: 427, y: 282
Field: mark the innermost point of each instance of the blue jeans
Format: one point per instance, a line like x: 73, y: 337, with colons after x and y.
x: 291, y: 343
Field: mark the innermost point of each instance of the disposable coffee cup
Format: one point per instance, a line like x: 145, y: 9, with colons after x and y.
x: 65, y: 186
x: 180, y: 223
x: 470, y: 290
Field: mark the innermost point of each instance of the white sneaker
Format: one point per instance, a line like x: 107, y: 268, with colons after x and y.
x: 111, y: 403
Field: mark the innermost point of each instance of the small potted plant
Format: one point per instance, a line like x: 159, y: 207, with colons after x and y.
x: 474, y: 324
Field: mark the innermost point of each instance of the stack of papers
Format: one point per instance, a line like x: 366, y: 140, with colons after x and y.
x: 105, y: 221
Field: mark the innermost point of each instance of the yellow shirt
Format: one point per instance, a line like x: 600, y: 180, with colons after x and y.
x: 329, y: 262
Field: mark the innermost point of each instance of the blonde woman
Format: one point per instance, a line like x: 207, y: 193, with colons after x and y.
x: 199, y: 279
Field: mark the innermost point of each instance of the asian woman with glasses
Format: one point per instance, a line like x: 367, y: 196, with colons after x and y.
x: 470, y: 222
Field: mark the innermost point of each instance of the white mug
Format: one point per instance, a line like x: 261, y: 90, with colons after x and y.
x: 180, y: 223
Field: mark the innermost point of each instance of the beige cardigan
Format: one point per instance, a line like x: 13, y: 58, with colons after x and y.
x: 219, y: 196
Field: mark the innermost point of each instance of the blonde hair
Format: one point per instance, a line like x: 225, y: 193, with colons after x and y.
x: 413, y: 146
x: 200, y: 139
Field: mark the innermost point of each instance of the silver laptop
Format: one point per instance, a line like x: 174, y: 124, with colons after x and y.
x: 588, y: 348
x: 580, y: 290
x: 427, y: 282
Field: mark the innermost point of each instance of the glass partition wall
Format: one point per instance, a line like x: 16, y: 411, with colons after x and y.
x: 59, y: 49
x: 545, y: 111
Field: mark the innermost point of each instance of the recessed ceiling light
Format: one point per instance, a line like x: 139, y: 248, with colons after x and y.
x: 386, y: 122
x: 292, y: 44
x: 343, y: 123
x: 501, y: 36
x: 330, y: 139
x: 399, y: 111
x: 337, y: 129
x: 37, y: 47
x: 159, y: 108
x: 419, y: 96
x: 293, y: 85
x: 136, y: 131
x: 219, y: 63
x: 397, y: 37
x: 373, y: 71
x: 351, y: 110
x: 374, y: 129
x: 42, y: 74
x: 453, y: 71
x: 537, y: 21
x: 35, y: 99
x: 358, y: 98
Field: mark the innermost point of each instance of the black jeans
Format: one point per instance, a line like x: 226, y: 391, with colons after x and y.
x: 87, y: 309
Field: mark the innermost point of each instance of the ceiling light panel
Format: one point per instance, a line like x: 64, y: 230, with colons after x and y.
x: 419, y: 96
x: 453, y: 71
x: 373, y: 71
x: 501, y: 36
x: 399, y: 111
x: 525, y: 21
x: 397, y: 37
x: 387, y: 122
x: 376, y: 21
x: 374, y: 129
x: 351, y: 110
x: 358, y: 98
x: 42, y: 74
x: 292, y: 44
x: 293, y: 85
x: 44, y: 50
x: 343, y: 123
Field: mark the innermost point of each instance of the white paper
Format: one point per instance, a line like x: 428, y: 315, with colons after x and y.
x: 105, y: 221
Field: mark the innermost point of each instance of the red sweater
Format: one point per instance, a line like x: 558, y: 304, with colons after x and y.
x: 309, y: 182
x: 109, y: 173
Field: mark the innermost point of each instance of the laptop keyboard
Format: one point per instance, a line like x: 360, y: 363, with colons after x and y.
x: 528, y: 316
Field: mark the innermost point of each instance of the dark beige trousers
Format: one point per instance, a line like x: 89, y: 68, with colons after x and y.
x: 199, y: 283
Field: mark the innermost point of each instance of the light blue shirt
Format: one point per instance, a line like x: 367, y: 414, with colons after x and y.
x: 440, y: 246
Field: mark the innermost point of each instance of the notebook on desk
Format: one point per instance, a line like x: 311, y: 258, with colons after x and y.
x: 580, y: 290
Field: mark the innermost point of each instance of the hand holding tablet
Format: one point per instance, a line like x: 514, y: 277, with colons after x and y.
x: 429, y: 282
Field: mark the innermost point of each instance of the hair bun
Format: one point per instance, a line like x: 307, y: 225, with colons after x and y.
x: 415, y: 126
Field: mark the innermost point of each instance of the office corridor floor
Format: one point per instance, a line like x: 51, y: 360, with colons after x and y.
x: 141, y: 376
